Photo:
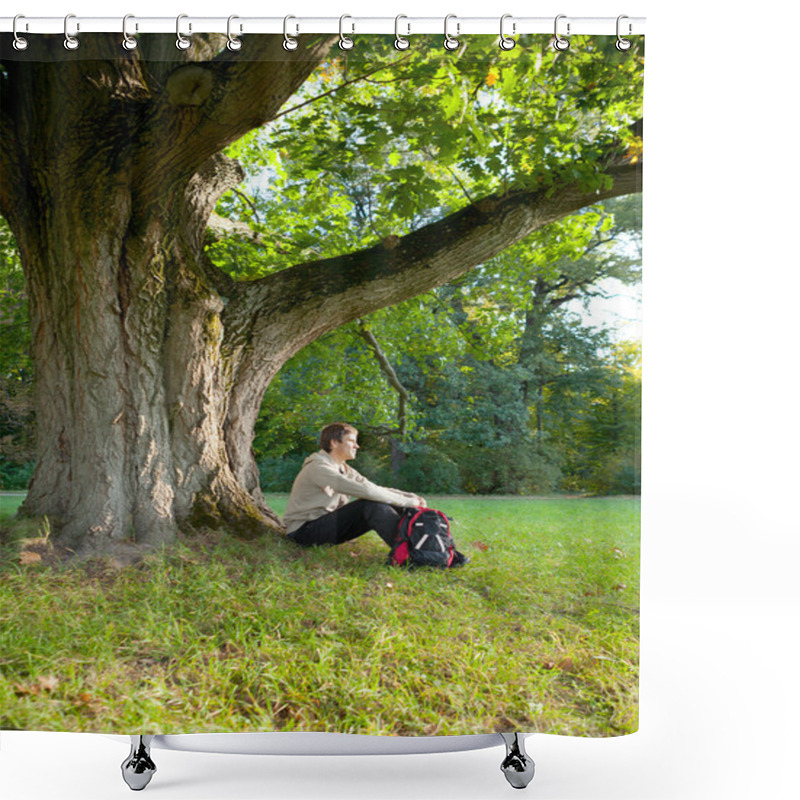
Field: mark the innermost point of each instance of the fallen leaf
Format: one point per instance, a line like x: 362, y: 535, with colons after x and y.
x: 548, y: 665
x: 618, y: 553
x: 482, y: 546
x: 390, y: 586
x: 27, y: 557
x: 49, y: 683
x: 23, y: 689
x: 619, y: 587
x: 34, y: 542
x: 87, y: 705
x: 566, y: 665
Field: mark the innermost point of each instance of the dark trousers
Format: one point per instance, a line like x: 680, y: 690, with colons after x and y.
x: 348, y: 522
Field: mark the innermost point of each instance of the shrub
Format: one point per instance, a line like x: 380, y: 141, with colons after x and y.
x: 278, y: 474
x: 509, y: 469
x: 15, y: 476
x: 426, y: 470
x: 617, y: 474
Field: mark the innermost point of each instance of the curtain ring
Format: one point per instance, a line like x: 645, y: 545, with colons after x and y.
x: 345, y: 42
x: 449, y: 42
x: 401, y: 43
x: 506, y: 42
x: 559, y: 43
x: 70, y: 42
x: 234, y: 43
x: 623, y: 44
x: 288, y: 42
x: 128, y: 41
x: 20, y: 43
x: 182, y: 43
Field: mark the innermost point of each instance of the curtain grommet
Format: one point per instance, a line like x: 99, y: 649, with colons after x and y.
x: 182, y: 42
x: 559, y: 42
x: 450, y: 43
x: 128, y: 41
x: 400, y: 42
x: 234, y: 42
x: 623, y: 44
x: 345, y: 42
x: 289, y: 42
x: 70, y: 42
x: 506, y: 42
x: 20, y: 43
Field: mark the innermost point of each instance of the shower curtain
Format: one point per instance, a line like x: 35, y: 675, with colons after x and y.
x: 212, y: 250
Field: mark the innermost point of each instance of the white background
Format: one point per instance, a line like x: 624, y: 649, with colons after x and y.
x: 720, y: 605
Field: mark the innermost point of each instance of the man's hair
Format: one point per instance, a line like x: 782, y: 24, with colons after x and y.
x: 334, y: 433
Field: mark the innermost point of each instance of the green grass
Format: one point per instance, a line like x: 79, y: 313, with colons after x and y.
x: 9, y: 502
x: 538, y: 633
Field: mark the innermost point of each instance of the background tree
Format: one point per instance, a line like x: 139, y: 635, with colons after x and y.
x: 16, y: 373
x: 150, y: 361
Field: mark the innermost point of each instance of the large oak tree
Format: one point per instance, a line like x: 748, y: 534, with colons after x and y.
x: 151, y: 362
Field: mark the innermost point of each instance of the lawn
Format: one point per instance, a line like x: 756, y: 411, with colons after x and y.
x: 538, y: 633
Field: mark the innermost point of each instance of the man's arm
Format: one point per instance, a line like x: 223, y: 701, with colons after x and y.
x: 354, y: 484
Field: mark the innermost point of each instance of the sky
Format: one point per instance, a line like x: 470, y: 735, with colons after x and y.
x: 620, y: 312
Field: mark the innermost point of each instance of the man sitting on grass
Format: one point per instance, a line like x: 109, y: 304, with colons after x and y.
x: 319, y: 511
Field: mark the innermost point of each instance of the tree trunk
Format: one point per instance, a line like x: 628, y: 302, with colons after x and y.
x: 130, y: 389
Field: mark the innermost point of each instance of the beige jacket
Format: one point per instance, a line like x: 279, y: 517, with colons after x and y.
x: 322, y: 486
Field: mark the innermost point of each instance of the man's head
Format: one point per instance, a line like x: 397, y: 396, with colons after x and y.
x: 337, y: 434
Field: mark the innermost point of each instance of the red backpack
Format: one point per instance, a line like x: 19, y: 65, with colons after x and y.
x: 424, y: 538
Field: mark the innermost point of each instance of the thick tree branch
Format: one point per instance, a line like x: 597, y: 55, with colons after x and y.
x: 321, y: 295
x: 207, y: 105
x: 257, y: 86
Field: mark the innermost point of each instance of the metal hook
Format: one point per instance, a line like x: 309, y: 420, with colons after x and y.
x: 401, y: 43
x: 506, y: 42
x: 451, y: 43
x: 233, y: 42
x: 20, y: 43
x: 128, y: 42
x: 560, y: 43
x: 623, y: 44
x: 288, y: 42
x: 70, y: 42
x: 345, y: 42
x: 182, y: 43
